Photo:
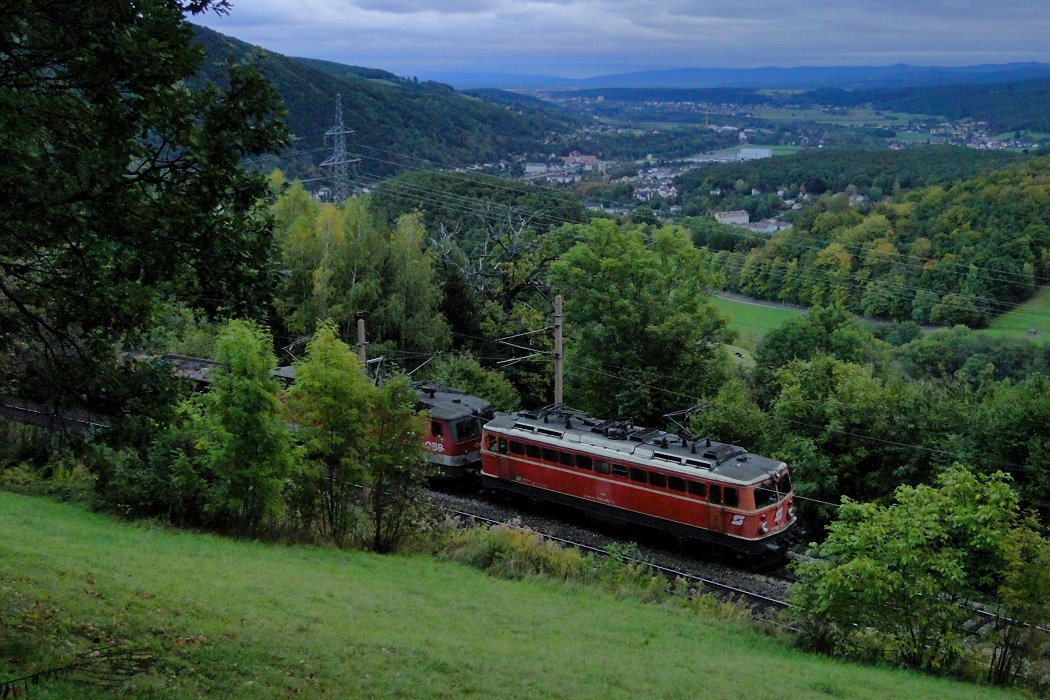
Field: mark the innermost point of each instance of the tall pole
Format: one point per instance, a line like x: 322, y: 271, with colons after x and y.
x: 558, y: 360
x: 362, y: 346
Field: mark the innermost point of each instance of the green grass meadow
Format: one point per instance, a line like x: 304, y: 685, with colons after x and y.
x: 1034, y: 314
x: 238, y: 619
x: 752, y: 319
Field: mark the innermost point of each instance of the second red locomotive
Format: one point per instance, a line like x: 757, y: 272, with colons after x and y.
x: 452, y: 440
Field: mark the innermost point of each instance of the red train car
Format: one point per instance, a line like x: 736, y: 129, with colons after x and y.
x: 452, y: 440
x: 692, y: 487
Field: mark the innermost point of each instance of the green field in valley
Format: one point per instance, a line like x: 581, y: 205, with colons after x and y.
x: 850, y: 117
x: 752, y: 319
x: 238, y: 619
x: 1033, y: 315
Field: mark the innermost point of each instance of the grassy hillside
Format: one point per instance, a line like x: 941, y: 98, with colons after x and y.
x: 1033, y: 314
x: 242, y: 619
x: 390, y: 115
x: 753, y: 319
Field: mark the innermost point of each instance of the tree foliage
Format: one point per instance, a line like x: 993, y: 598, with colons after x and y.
x: 643, y: 337
x: 466, y: 373
x: 394, y: 466
x: 247, y: 445
x: 341, y: 261
x: 892, y: 581
x: 390, y: 115
x: 121, y: 184
x: 330, y: 404
x: 958, y: 253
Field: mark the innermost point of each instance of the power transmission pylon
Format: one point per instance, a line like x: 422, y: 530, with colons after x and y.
x: 340, y: 159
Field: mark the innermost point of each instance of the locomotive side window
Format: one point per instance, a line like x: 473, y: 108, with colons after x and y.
x: 584, y: 462
x: 435, y: 428
x: 502, y: 446
x: 784, y: 485
x: 492, y: 442
x: 675, y: 484
x: 716, y: 494
x: 638, y: 475
x: 532, y: 450
x: 550, y: 455
x: 567, y: 458
x: 619, y: 470
x: 601, y: 466
x: 656, y: 479
x: 698, y: 489
x: 729, y: 497
x: 516, y: 448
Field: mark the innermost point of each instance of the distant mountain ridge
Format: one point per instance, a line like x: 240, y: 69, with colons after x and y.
x: 799, y: 77
x: 398, y: 122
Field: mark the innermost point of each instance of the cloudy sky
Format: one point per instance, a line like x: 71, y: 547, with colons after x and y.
x: 581, y: 38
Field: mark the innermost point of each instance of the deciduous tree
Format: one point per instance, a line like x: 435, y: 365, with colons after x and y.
x: 121, y: 183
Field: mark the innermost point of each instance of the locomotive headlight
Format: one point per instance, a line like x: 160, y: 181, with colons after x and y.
x: 764, y: 528
x: 791, y: 511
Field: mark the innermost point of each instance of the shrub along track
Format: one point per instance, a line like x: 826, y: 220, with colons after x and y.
x: 764, y: 592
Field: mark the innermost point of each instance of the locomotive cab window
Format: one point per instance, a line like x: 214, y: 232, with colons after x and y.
x: 584, y: 462
x: 550, y: 455
x: 729, y: 497
x: 516, y: 448
x: 638, y: 475
x: 567, y: 458
x: 656, y: 479
x: 716, y: 494
x: 435, y: 428
x: 619, y: 470
x: 601, y: 466
x: 765, y: 494
x: 501, y: 447
x: 492, y: 443
x: 675, y: 484
x: 532, y: 450
x: 698, y: 489
x: 466, y: 428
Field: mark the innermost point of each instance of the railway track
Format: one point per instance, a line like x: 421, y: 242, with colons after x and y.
x: 34, y: 414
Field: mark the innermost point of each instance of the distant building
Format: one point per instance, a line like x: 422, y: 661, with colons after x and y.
x: 736, y: 217
x: 577, y: 160
x: 767, y: 226
x: 535, y: 168
x: 754, y: 153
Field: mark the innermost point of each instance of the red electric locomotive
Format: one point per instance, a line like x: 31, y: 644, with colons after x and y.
x: 452, y: 440
x: 692, y: 487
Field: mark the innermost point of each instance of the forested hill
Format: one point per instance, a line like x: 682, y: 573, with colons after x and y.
x: 962, y: 252
x: 873, y: 173
x: 389, y: 115
x: 1009, y: 106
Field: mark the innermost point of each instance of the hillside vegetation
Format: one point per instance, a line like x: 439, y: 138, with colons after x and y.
x: 956, y: 253
x: 389, y: 115
x: 254, y: 620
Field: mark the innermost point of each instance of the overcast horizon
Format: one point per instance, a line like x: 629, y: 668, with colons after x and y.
x: 585, y: 38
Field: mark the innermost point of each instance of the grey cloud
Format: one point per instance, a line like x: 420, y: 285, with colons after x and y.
x: 587, y: 37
